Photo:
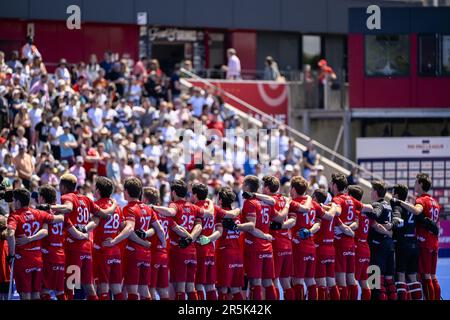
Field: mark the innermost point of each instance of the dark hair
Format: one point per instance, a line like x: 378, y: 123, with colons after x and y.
x: 320, y: 195
x: 227, y: 196
x: 380, y: 187
x: 299, y: 184
x: 23, y: 196
x: 424, y: 180
x: 272, y: 183
x: 401, y: 190
x: 48, y: 193
x: 356, y: 192
x: 133, y: 186
x: 151, y: 195
x: 200, y: 190
x: 252, y: 182
x: 340, y: 180
x: 180, y: 188
x: 104, y: 186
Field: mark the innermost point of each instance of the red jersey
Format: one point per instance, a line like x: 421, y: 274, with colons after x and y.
x: 208, y: 226
x: 263, y: 214
x: 362, y: 232
x: 187, y: 215
x: 4, y: 267
x: 282, y: 238
x: 166, y: 224
x: 325, y: 235
x: 83, y: 208
x: 229, y: 239
x: 304, y: 220
x: 431, y: 209
x: 108, y: 228
x: 53, y: 244
x: 350, y: 207
x: 143, y: 217
x: 27, y: 222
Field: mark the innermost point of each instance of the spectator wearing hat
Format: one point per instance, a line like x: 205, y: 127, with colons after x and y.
x: 67, y: 144
x: 61, y: 72
x: 24, y: 166
x: 78, y: 170
x: 288, y: 173
x: 322, y: 180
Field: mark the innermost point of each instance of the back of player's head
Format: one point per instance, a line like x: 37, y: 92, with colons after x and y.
x: 320, y: 195
x: 356, y: 192
x: 133, y: 186
x: 299, y: 184
x: 151, y: 195
x: 379, y: 187
x: 227, y: 196
x: 272, y: 183
x: 340, y: 180
x: 48, y: 193
x: 401, y: 190
x: 179, y: 187
x: 252, y: 183
x: 200, y: 190
x: 69, y: 181
x: 23, y: 196
x: 424, y: 180
x: 104, y: 186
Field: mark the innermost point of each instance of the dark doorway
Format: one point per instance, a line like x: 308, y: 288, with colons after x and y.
x: 168, y: 54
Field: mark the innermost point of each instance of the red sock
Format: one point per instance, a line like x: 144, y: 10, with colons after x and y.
x: 192, y: 295
x: 45, y: 296
x: 312, y: 292
x: 365, y: 294
x: 415, y: 291
x: 238, y: 296
x: 322, y: 293
x: 211, y: 295
x: 299, y: 292
x: 132, y: 296
x: 289, y: 294
x: 256, y: 293
x: 277, y: 291
x: 391, y: 289
x: 437, y: 289
x: 92, y: 297
x: 353, y: 292
x: 223, y: 296
x: 201, y: 295
x: 146, y: 298
x: 429, y: 289
x: 118, y: 296
x: 334, y: 293
x: 180, y: 296
x: 69, y: 294
x: 61, y: 296
x: 104, y: 296
x: 402, y: 291
x: 343, y: 292
x: 271, y: 293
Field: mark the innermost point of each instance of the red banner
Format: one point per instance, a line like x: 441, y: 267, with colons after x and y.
x: 269, y: 97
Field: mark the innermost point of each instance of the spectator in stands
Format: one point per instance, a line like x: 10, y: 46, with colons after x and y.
x: 107, y: 63
x: 61, y: 72
x: 93, y: 68
x: 310, y: 159
x: 67, y: 144
x: 271, y: 72
x: 24, y: 165
x: 233, y: 69
x: 175, y: 86
x: 29, y: 50
x: 322, y: 180
x: 325, y: 74
x: 197, y: 101
x: 14, y: 62
x: 353, y: 178
x: 78, y: 170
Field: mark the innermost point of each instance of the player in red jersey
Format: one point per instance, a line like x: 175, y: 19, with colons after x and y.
x: 4, y: 267
x: 139, y: 218
x: 78, y: 210
x: 325, y: 253
x: 182, y: 255
x: 344, y: 244
x: 428, y: 209
x: 27, y: 223
x: 206, y: 261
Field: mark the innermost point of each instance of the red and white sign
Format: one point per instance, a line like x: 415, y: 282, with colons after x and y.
x: 269, y: 97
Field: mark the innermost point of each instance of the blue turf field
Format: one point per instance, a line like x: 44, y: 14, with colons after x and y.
x: 443, y: 275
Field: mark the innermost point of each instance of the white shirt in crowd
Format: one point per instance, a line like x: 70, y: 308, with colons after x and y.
x: 234, y: 67
x: 95, y: 114
x: 197, y: 105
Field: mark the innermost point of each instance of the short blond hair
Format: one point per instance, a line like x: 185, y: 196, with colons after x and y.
x: 69, y: 181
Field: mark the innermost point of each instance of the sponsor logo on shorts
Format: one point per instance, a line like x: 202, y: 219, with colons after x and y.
x: 32, y: 270
x: 308, y: 258
x: 113, y: 261
x: 209, y: 263
x: 235, y: 265
x: 58, y: 268
x: 348, y: 253
x: 363, y: 260
x: 143, y: 264
x: 190, y: 261
x: 266, y: 256
x: 327, y: 261
x: 86, y: 257
x: 284, y: 253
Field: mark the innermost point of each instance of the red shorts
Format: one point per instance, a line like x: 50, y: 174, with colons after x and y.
x: 345, y: 259
x: 183, y: 267
x: 53, y: 276
x: 160, y: 271
x: 109, y: 268
x: 259, y: 265
x: 362, y: 262
x: 427, y: 261
x: 230, y: 269
x: 325, y: 261
x: 83, y: 261
x: 206, y: 270
x: 137, y: 269
x: 304, y: 262
x: 283, y: 263
x: 27, y: 275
